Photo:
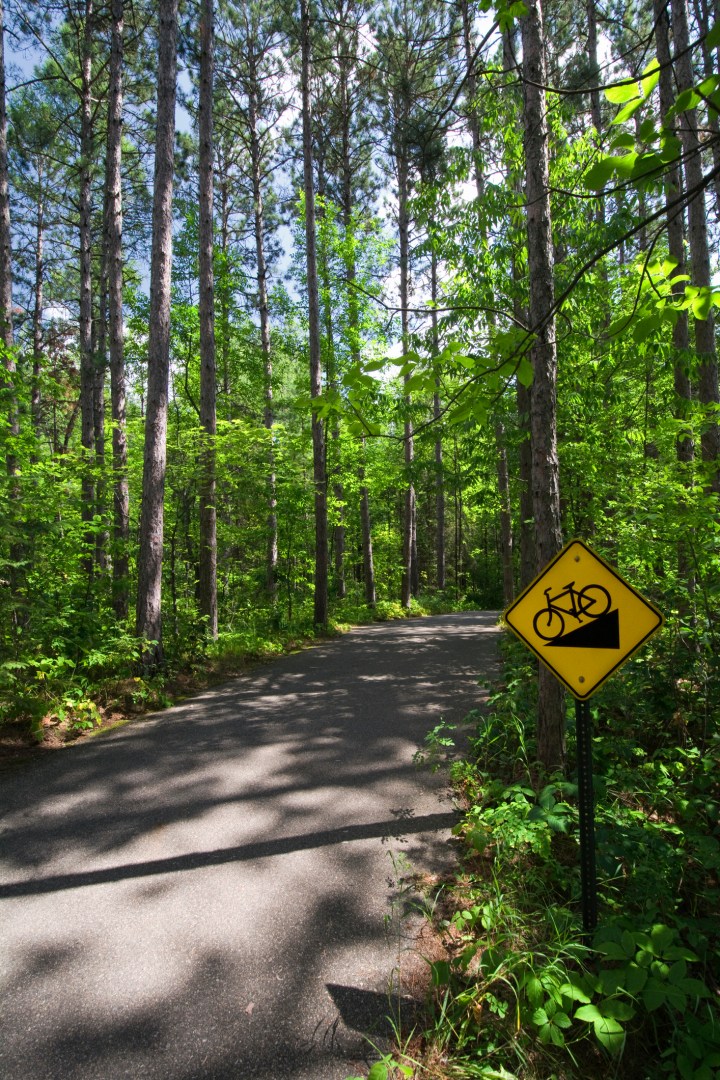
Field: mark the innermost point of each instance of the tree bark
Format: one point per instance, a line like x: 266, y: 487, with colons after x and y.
x: 708, y: 391
x: 6, y: 319
x: 506, y: 537
x: 114, y: 255
x: 439, y: 473
x: 367, y: 549
x: 409, y: 521
x: 99, y: 367
x: 353, y: 321
x: 35, y: 392
x: 87, y: 359
x: 208, y: 379
x: 265, y: 343
x: 543, y: 404
x: 149, y: 624
x: 318, y: 431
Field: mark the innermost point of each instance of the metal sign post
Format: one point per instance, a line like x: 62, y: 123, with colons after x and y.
x: 586, y: 808
x: 583, y: 620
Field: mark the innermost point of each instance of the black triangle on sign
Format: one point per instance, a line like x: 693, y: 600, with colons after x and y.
x: 600, y: 633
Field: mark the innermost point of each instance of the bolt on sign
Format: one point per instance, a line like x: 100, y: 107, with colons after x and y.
x: 582, y: 619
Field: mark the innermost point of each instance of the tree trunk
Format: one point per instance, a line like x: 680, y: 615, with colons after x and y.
x: 702, y: 15
x: 113, y: 247
x: 685, y: 447
x: 543, y: 404
x: 149, y: 625
x: 708, y: 392
x: 35, y: 392
x: 208, y: 417
x: 409, y: 521
x: 99, y: 367
x: 439, y: 474
x: 268, y: 418
x: 368, y: 567
x: 354, y: 330
x: 506, y: 538
x: 87, y: 364
x: 6, y: 319
x: 318, y: 431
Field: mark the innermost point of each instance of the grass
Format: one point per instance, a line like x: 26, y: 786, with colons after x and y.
x: 518, y: 991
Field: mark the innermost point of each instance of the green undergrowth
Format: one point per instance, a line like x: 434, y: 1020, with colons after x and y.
x: 70, y: 686
x: 518, y: 990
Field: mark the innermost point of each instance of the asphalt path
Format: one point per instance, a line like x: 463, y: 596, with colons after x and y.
x: 216, y: 891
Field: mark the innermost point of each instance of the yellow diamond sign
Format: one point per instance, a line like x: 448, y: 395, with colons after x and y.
x: 582, y: 619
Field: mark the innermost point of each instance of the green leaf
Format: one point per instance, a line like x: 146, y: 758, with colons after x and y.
x: 440, y: 972
x: 654, y: 994
x: 689, y: 99
x: 624, y: 165
x: 670, y: 148
x: 650, y: 77
x: 576, y: 989
x: 618, y: 1010
x: 611, y: 1035
x: 598, y: 174
x: 414, y: 383
x: 379, y: 1071
x: 677, y: 972
x: 539, y: 1017
x: 556, y: 1035
x: 713, y: 38
x: 618, y: 95
x: 623, y: 141
x: 590, y: 1013
x: 646, y: 164
x: 545, y: 1034
x: 635, y: 979
x: 641, y: 331
x: 695, y: 987
x: 628, y: 110
x: 525, y: 371
x: 534, y: 991
x: 702, y: 303
x: 562, y: 1019
x: 647, y: 130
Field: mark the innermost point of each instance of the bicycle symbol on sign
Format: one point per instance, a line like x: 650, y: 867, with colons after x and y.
x: 591, y: 601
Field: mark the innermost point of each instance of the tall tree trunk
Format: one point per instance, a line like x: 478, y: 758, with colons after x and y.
x: 543, y: 405
x: 99, y: 367
x: 6, y: 319
x: 208, y: 417
x: 354, y: 329
x: 526, y: 527
x: 318, y: 431
x: 708, y: 391
x: 337, y: 547
x: 409, y: 522
x: 35, y: 391
x: 439, y: 473
x: 506, y: 537
x: 367, y: 549
x: 685, y: 447
x: 264, y: 310
x: 149, y: 624
x: 113, y: 247
x: 7, y: 380
x: 87, y: 359
x: 471, y: 85
x: 702, y: 15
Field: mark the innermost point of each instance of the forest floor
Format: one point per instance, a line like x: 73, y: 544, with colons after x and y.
x: 225, y: 888
x: 118, y: 702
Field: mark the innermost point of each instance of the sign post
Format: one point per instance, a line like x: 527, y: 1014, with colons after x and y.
x: 583, y: 620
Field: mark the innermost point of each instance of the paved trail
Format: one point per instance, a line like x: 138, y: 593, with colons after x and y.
x: 201, y: 895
